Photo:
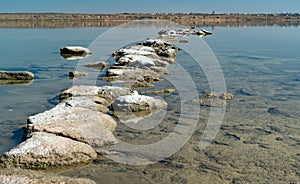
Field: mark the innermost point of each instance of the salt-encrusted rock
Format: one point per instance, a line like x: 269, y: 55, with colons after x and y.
x: 93, y: 102
x: 75, y: 50
x: 138, y: 103
x: 169, y: 52
x: 98, y: 65
x: 136, y: 61
x: 20, y: 176
x: 134, y: 77
x: 77, y: 123
x: 19, y: 75
x: 107, y: 92
x: 135, y: 50
x: 76, y: 74
x: 44, y: 150
x: 133, y: 73
x: 161, y: 47
x: 156, y: 43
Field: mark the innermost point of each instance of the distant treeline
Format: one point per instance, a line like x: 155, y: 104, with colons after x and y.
x: 98, y: 20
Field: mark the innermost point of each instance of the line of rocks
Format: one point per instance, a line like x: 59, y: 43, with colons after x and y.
x: 140, y: 65
x: 80, y: 128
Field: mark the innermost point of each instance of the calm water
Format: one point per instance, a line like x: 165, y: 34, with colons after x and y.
x: 258, y: 142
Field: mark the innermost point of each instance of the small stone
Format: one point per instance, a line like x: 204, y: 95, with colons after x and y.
x: 99, y: 65
x: 76, y: 74
x: 226, y: 96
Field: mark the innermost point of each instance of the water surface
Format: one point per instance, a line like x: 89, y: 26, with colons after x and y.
x: 258, y: 141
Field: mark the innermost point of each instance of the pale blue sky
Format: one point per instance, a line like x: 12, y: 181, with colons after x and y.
x: 153, y: 6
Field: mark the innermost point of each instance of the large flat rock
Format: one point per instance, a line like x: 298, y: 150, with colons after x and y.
x: 44, y: 150
x: 109, y: 93
x: 77, y: 123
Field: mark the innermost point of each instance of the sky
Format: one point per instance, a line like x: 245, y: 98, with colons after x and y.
x: 149, y: 6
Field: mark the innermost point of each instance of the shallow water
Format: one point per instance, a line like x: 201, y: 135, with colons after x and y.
x: 258, y: 141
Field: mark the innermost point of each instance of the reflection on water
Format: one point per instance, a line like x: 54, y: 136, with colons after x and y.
x: 258, y: 141
x: 15, y: 82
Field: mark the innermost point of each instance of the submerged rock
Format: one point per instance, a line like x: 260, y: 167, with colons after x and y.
x: 224, y: 96
x: 216, y: 103
x: 44, y: 150
x: 20, y: 176
x: 98, y: 65
x: 18, y: 75
x: 162, y: 91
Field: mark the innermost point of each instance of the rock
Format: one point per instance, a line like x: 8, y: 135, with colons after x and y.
x: 76, y: 74
x: 99, y: 65
x: 183, y: 41
x: 133, y: 77
x: 169, y: 52
x: 135, y: 50
x: 21, y: 75
x: 74, y: 52
x: 160, y: 70
x: 109, y: 93
x: 162, y: 91
x: 226, y: 96
x: 19, y: 176
x: 44, y: 150
x: 138, y: 103
x: 217, y: 103
x: 135, y: 61
x: 156, y: 43
x: 80, y: 124
x: 210, y: 96
x: 94, y: 103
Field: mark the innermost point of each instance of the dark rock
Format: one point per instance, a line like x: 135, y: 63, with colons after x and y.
x: 22, y: 75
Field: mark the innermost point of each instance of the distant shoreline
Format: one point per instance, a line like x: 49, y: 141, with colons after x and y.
x: 48, y: 20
